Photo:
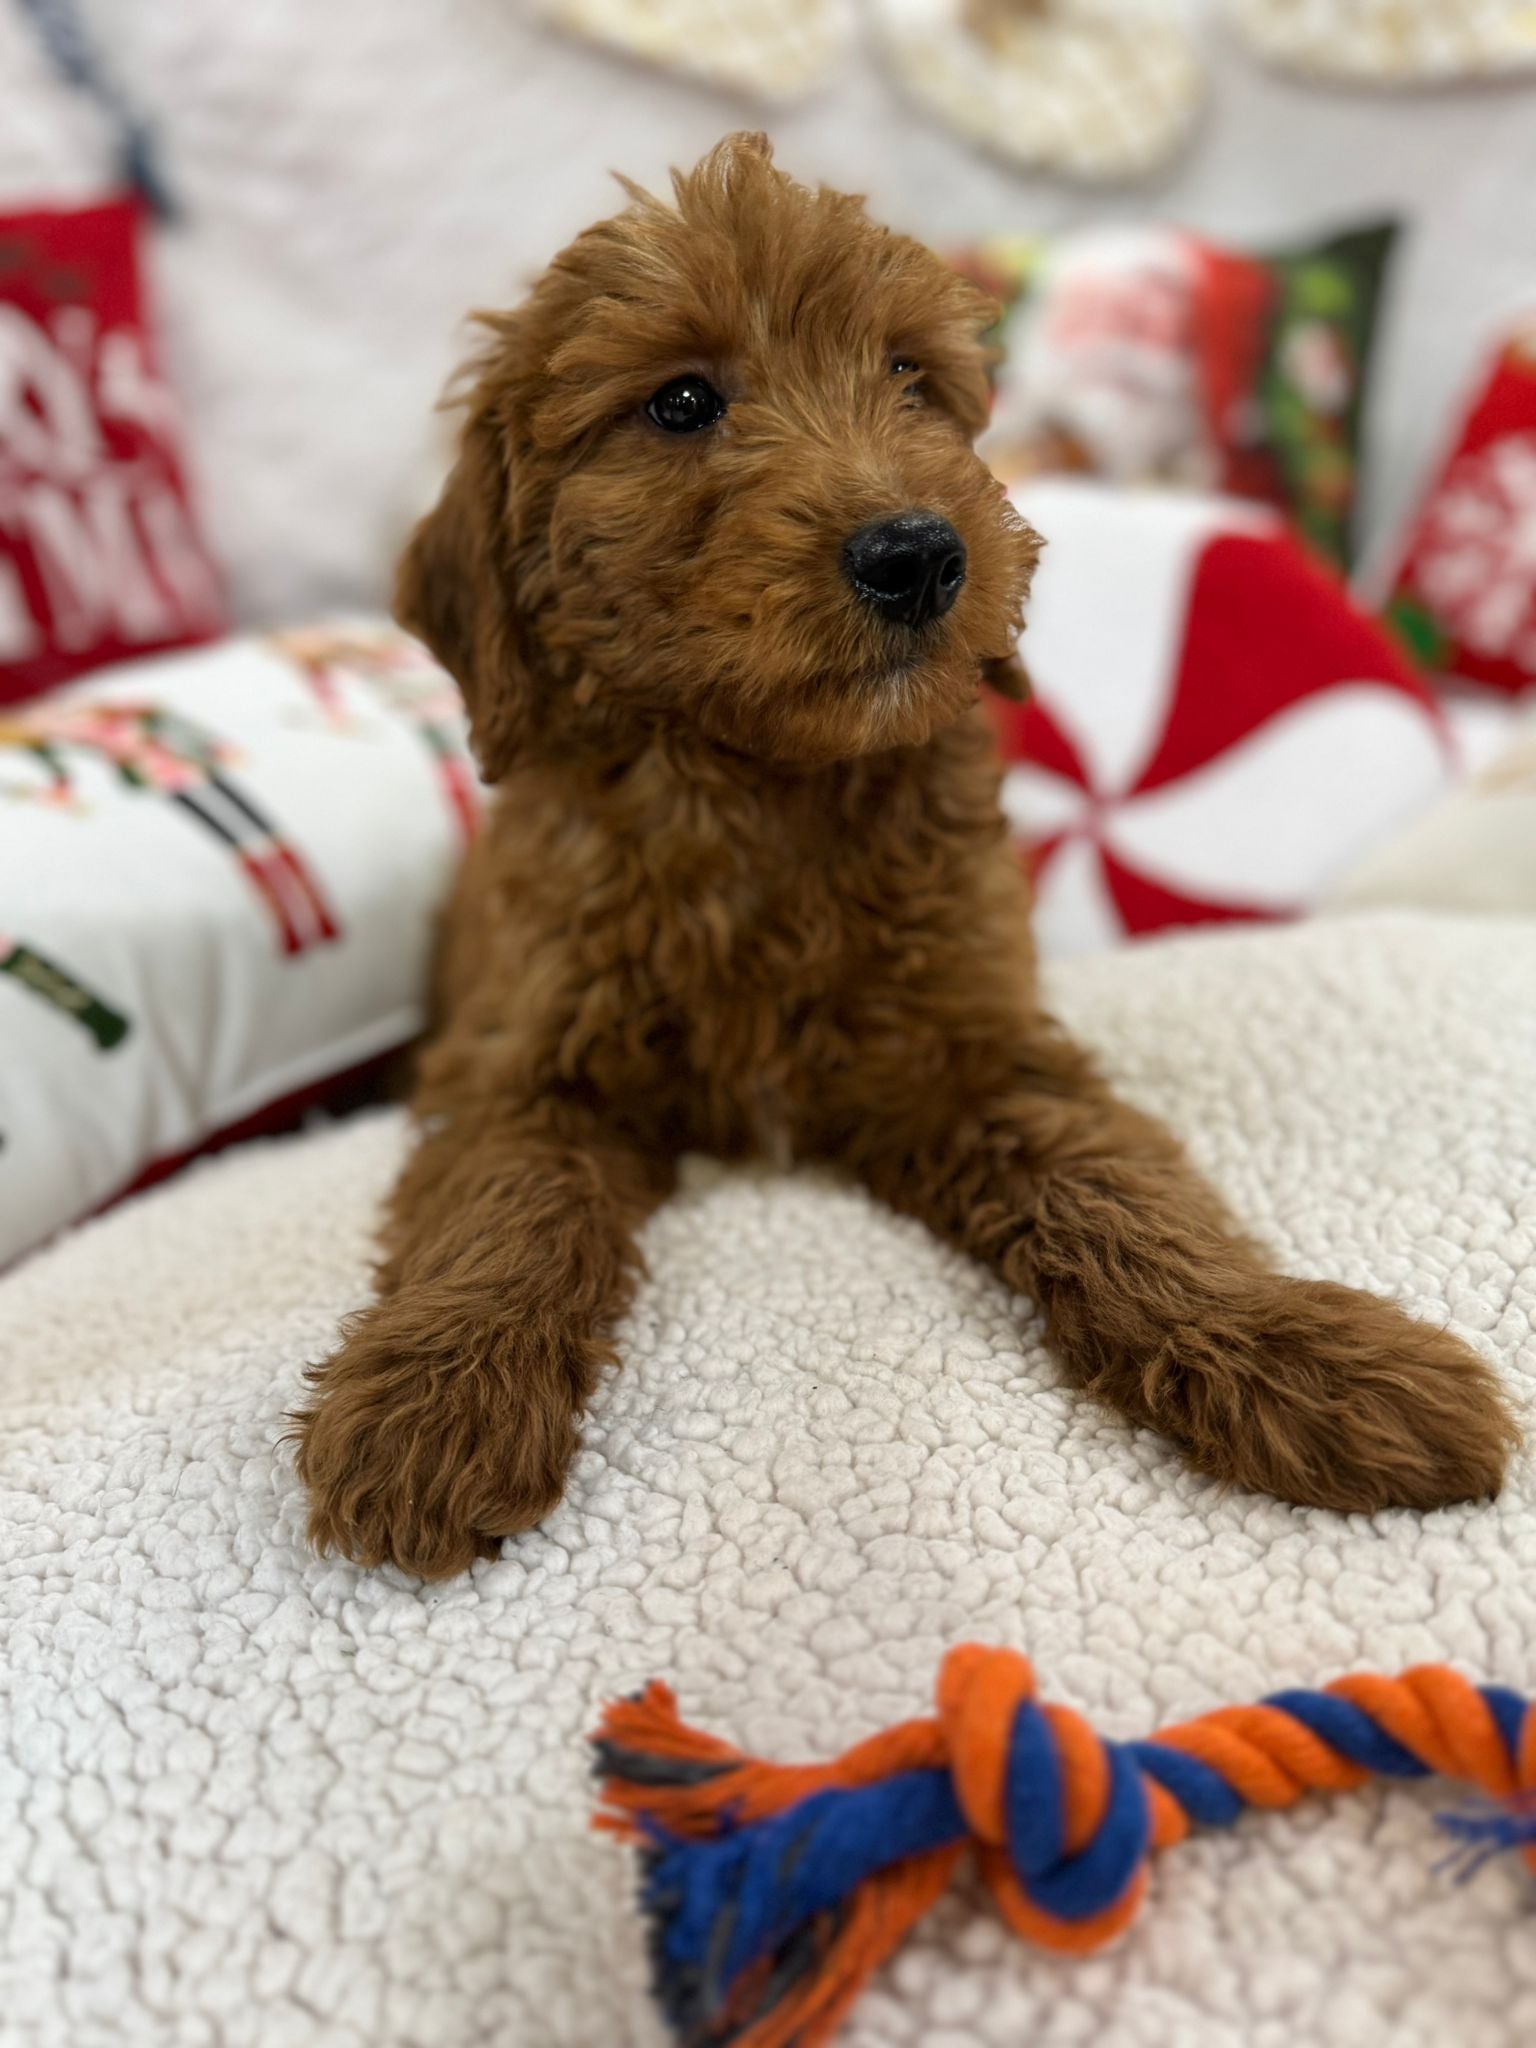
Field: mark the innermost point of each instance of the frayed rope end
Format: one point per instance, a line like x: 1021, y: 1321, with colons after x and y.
x: 764, y: 1924
x: 1483, y: 1831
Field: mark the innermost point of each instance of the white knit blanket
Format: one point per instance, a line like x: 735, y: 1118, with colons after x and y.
x: 251, y: 1798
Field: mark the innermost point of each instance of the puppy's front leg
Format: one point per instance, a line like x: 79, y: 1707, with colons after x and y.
x: 1155, y: 1304
x: 448, y: 1416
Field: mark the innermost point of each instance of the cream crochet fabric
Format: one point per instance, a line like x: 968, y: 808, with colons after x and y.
x: 1393, y: 42
x: 775, y: 49
x: 1098, y: 89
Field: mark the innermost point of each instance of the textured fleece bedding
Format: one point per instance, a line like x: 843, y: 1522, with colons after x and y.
x: 248, y: 1797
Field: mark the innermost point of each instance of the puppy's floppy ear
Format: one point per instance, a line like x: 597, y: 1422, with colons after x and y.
x: 955, y: 341
x: 453, y: 590
x: 1007, y: 675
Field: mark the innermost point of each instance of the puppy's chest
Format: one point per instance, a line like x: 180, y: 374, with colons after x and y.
x: 743, y: 957
x: 724, y: 984
x: 715, y: 958
x: 753, y: 989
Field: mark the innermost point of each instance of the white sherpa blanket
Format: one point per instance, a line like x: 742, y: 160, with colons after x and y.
x: 249, y: 1798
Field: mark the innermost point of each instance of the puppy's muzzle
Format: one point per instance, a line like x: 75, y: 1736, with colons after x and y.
x: 909, y: 568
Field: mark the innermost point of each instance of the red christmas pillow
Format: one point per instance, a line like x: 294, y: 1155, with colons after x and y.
x: 1143, y: 354
x: 1466, y: 593
x: 1215, y: 732
x: 100, y: 553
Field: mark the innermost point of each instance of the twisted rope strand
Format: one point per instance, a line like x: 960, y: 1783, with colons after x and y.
x: 775, y: 1890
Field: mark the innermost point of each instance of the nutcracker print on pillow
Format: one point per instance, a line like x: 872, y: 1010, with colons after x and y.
x: 399, y: 674
x: 61, y: 991
x: 152, y: 748
x: 222, y: 871
x: 100, y: 556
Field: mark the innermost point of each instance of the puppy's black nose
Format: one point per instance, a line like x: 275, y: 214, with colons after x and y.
x: 909, y: 568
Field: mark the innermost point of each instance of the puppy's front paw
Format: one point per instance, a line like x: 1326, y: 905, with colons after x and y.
x: 1335, y: 1399
x: 424, y: 1465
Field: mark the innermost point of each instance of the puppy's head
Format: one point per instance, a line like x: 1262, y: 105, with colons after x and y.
x: 717, y: 468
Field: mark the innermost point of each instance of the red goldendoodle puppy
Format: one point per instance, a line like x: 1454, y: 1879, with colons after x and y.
x: 722, y: 578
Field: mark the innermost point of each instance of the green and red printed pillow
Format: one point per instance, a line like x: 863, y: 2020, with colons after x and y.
x: 101, y: 555
x: 1144, y: 354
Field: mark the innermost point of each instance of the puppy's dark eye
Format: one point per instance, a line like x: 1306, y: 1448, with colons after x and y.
x: 685, y: 405
x: 908, y: 371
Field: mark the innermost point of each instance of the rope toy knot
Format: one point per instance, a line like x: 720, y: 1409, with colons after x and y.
x: 773, y: 1891
x: 1061, y: 1818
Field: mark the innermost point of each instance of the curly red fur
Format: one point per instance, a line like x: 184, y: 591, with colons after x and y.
x: 745, y: 887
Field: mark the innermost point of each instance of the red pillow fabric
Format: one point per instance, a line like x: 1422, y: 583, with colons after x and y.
x: 1465, y: 598
x: 1216, y: 731
x: 100, y: 553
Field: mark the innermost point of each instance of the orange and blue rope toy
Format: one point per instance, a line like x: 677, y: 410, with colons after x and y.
x: 774, y: 1891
